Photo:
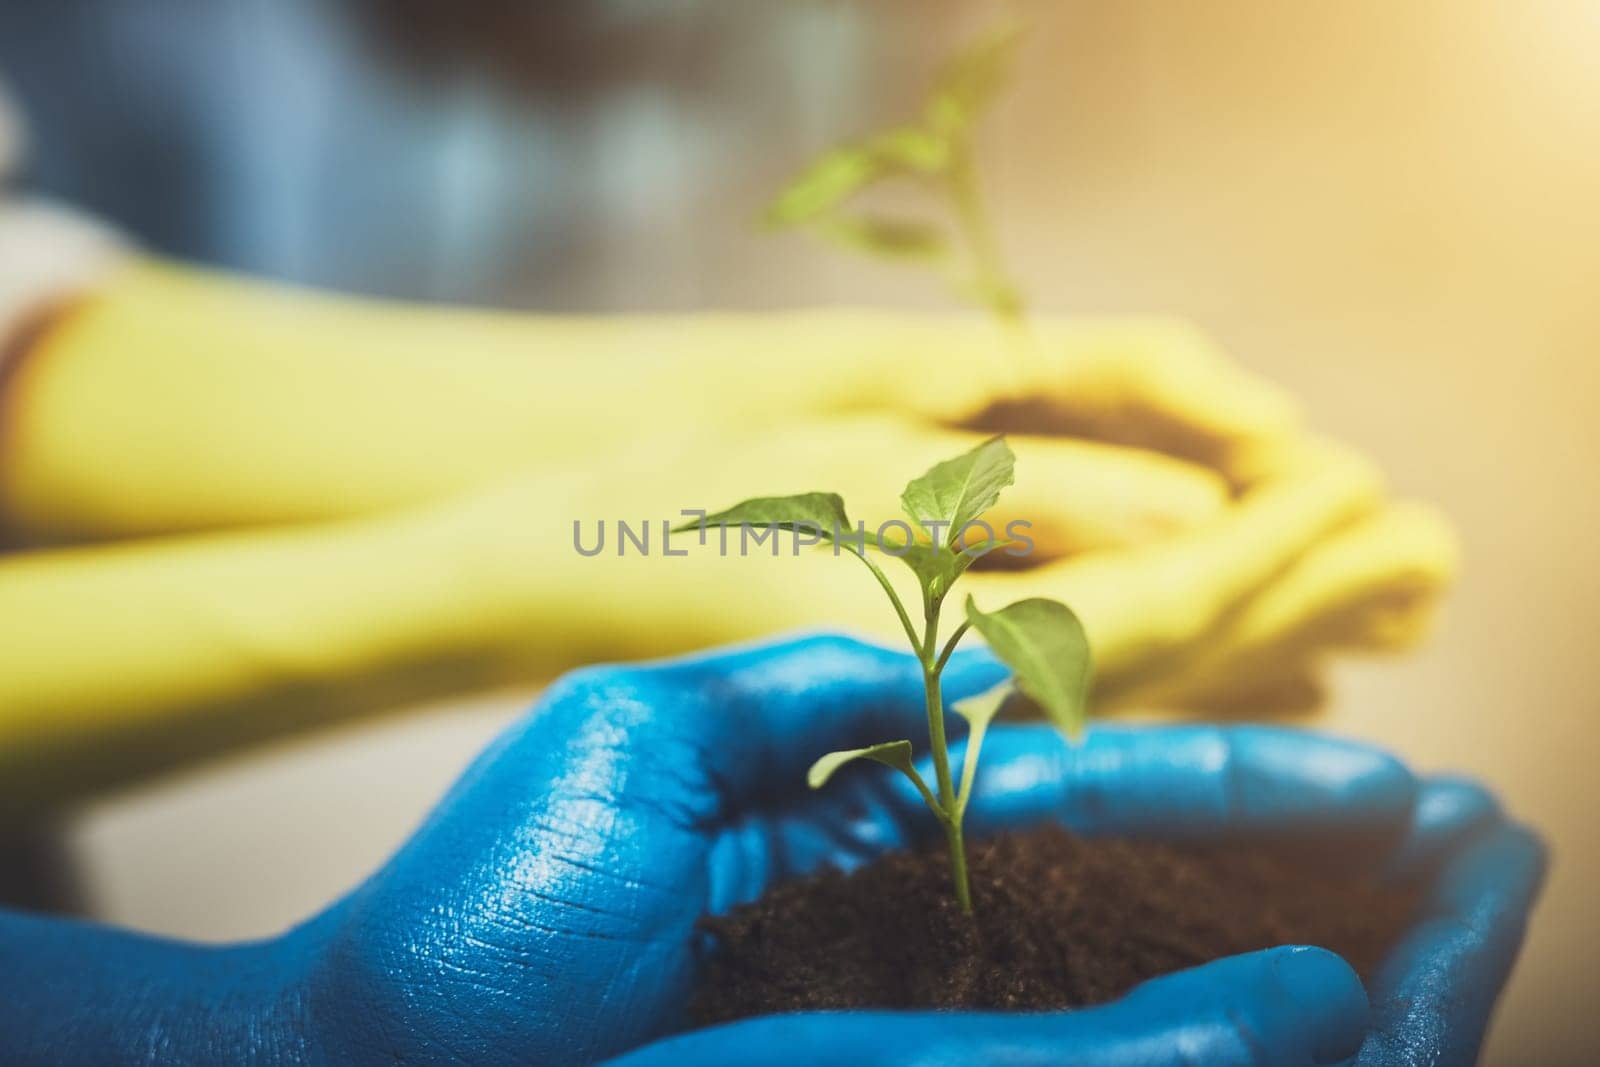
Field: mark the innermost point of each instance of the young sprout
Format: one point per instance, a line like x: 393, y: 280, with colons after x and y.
x: 1042, y: 641
x: 936, y: 149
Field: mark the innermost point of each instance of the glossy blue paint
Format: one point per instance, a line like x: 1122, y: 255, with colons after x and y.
x: 545, y: 912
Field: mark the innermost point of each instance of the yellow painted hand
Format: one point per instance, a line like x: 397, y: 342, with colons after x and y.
x: 174, y: 400
x: 1216, y: 555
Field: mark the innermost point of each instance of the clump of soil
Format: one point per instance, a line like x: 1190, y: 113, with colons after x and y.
x: 1061, y: 922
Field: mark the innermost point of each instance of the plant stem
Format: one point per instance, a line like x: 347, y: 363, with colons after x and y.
x: 950, y: 646
x: 894, y: 598
x: 989, y: 275
x: 991, y: 284
x: 947, y: 794
x: 941, y: 756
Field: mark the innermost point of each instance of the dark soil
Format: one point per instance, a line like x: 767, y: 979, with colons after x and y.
x: 1061, y: 922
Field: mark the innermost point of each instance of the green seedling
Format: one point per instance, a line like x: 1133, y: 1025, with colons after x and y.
x: 1042, y: 641
x: 934, y: 150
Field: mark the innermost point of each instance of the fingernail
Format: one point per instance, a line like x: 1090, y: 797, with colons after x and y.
x: 1330, y: 997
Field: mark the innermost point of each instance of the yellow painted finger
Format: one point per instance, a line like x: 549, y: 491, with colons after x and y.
x: 1074, y: 496
x: 1150, y: 383
x: 1147, y: 608
x: 1371, y: 587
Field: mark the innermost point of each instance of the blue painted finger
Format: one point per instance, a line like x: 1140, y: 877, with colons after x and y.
x: 1285, y: 1007
x: 1190, y: 782
x: 1432, y: 997
x: 1448, y: 812
x: 751, y: 720
x: 1186, y: 782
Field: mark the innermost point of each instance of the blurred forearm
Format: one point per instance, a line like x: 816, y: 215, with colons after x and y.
x: 169, y: 399
x: 165, y: 400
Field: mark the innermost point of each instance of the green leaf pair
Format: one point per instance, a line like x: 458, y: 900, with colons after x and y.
x: 840, y: 174
x: 935, y: 150
x: 1042, y: 641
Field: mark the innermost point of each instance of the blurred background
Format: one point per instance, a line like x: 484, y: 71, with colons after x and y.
x: 1389, y: 208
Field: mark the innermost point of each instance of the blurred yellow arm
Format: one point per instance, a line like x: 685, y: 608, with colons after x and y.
x: 122, y: 661
x: 172, y: 400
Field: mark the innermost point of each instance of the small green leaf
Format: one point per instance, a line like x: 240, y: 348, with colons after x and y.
x: 936, y: 566
x: 836, y: 176
x: 968, y: 82
x: 957, y: 491
x: 889, y: 238
x: 911, y: 149
x: 896, y: 754
x: 820, y: 511
x: 828, y: 182
x: 1045, y: 644
x: 979, y: 711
